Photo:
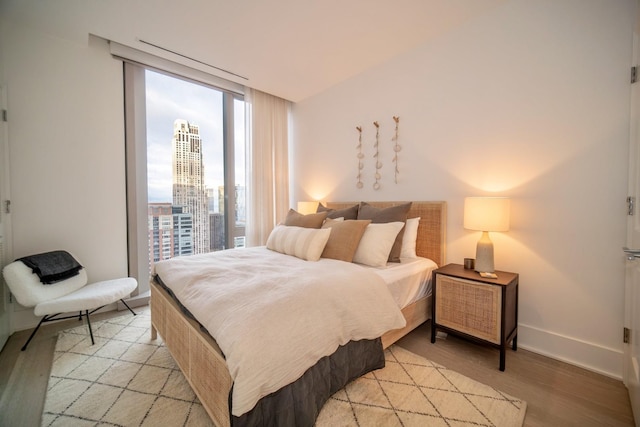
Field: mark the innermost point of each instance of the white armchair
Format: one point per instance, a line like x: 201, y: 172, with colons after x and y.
x: 65, y: 296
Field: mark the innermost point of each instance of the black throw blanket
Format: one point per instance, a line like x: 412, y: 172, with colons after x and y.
x: 52, y: 267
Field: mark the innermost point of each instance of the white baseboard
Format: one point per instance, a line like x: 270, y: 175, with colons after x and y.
x: 594, y: 357
x: 137, y: 301
x: 23, y: 319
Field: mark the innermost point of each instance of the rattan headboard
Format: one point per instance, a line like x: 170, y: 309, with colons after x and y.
x: 430, y: 242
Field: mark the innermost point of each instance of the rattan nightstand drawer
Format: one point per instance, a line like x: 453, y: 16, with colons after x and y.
x: 469, y: 307
x: 477, y: 308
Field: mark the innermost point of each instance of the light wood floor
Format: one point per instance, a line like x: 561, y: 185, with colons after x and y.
x: 557, y: 394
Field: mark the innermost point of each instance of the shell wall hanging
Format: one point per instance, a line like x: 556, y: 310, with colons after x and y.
x: 396, y: 148
x: 377, y: 155
x: 360, y: 156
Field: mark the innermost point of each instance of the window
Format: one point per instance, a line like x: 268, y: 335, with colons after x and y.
x: 185, y: 168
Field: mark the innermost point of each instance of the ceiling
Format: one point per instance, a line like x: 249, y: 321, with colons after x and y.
x: 290, y: 48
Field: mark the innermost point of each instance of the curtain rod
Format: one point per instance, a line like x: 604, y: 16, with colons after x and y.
x: 192, y: 59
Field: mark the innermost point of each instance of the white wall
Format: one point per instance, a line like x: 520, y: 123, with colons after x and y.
x: 529, y: 101
x: 66, y: 140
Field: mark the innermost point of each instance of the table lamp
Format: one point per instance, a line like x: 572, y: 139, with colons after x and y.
x: 307, y: 207
x: 486, y: 214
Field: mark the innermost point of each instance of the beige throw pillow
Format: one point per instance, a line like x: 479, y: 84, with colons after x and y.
x: 297, y: 219
x: 344, y: 239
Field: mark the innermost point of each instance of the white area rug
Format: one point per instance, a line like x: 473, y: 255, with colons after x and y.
x: 413, y: 391
x: 126, y: 379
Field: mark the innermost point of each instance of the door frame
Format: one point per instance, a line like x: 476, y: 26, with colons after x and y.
x: 6, y: 249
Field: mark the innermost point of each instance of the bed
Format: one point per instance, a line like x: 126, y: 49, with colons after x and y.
x: 203, y: 362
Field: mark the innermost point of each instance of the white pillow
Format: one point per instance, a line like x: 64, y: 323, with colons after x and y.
x: 409, y: 238
x: 330, y: 220
x: 376, y: 243
x: 301, y: 242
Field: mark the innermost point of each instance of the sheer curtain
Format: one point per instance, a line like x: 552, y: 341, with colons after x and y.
x: 267, y: 154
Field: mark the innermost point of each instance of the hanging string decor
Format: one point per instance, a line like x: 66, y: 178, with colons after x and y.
x: 396, y: 148
x: 360, y: 156
x: 376, y: 184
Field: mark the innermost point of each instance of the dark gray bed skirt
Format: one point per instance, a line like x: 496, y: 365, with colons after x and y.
x: 299, y: 403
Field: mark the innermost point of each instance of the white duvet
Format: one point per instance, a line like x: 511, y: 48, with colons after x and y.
x: 274, y: 315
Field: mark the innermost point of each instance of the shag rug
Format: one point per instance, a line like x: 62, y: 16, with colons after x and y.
x: 126, y: 379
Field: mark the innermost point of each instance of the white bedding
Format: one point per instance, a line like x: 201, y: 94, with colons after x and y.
x: 409, y: 280
x: 275, y: 315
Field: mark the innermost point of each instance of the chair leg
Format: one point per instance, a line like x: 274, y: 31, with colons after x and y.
x: 24, y: 347
x: 52, y: 317
x: 89, y: 324
x: 125, y: 304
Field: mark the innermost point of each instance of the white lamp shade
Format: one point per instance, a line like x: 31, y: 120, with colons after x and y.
x: 487, y: 213
x: 307, y: 207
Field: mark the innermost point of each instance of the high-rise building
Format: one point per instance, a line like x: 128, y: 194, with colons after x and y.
x: 170, y: 232
x: 217, y: 236
x: 241, y: 207
x: 240, y: 211
x: 213, y: 200
x: 241, y: 217
x: 182, y: 231
x: 238, y: 215
x: 160, y: 232
x: 188, y: 180
x: 221, y: 203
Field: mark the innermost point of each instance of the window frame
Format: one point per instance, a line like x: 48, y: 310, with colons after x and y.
x: 136, y: 159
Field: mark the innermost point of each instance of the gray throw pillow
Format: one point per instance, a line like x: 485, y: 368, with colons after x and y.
x: 346, y: 213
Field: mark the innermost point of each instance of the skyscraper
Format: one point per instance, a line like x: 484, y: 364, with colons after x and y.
x: 217, y: 235
x: 170, y: 232
x: 188, y: 180
x: 182, y: 231
x: 160, y: 232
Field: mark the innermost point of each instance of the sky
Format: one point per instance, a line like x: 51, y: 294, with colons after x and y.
x: 168, y: 99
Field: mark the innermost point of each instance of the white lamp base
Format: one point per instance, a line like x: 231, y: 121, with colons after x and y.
x: 484, y: 254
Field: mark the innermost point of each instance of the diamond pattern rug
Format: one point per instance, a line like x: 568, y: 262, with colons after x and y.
x: 126, y: 379
x: 413, y: 391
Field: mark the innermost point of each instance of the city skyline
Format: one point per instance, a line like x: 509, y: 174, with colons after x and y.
x: 169, y: 99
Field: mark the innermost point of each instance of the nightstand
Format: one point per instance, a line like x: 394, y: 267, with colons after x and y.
x: 479, y: 309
